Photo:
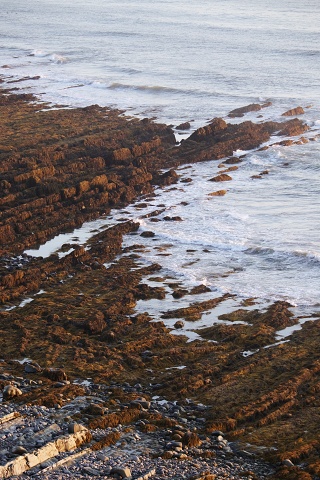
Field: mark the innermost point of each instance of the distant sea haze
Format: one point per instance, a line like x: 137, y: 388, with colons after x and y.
x: 192, y: 62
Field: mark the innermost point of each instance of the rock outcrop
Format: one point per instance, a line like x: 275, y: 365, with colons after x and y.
x: 63, y: 444
x: 60, y: 168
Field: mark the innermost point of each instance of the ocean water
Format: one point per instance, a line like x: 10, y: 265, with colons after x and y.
x: 191, y: 62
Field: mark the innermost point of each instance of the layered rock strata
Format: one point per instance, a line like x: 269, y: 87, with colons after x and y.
x: 62, y: 167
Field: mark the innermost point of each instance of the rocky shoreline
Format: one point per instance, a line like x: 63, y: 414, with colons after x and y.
x: 130, y: 436
x: 91, y: 359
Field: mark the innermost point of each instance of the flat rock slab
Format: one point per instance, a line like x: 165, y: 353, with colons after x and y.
x: 63, y: 444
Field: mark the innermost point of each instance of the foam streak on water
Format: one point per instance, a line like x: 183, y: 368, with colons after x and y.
x: 192, y: 62
x: 257, y: 241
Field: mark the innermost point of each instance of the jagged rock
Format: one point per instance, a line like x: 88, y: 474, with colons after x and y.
x: 221, y: 178
x: 201, y: 134
x: 239, y: 112
x: 293, y: 128
x: 293, y: 112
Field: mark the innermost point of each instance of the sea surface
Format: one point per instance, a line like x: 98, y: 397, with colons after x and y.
x: 191, y: 61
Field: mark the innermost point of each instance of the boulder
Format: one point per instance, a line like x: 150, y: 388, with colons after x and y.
x: 183, y: 126
x: 11, y: 391
x: 32, y: 368
x: 147, y: 234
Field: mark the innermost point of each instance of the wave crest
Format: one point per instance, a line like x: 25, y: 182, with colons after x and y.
x: 53, y: 57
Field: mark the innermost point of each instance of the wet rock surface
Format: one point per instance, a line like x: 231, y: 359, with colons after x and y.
x: 157, y: 440
x: 78, y: 355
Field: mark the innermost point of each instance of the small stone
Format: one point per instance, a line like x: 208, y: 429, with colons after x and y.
x: 103, y: 457
x: 32, y: 368
x: 142, y: 402
x: 183, y: 456
x: 124, y: 472
x: 216, y: 433
x: 19, y: 450
x: 174, y: 444
x: 168, y: 455
x: 91, y: 471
